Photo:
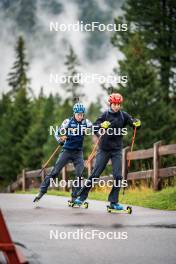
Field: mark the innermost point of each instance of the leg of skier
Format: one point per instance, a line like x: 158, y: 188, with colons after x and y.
x: 62, y: 160
x: 102, y: 159
x: 116, y: 158
x: 78, y: 162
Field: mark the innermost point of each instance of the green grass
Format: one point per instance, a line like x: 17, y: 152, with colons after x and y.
x: 164, y: 199
x: 145, y: 197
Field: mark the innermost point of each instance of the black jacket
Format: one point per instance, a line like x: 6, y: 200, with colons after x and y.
x: 118, y: 121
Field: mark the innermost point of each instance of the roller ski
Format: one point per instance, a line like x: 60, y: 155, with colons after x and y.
x: 78, y: 203
x: 117, y: 208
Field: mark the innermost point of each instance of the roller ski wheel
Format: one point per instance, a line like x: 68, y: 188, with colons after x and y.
x: 70, y: 203
x: 75, y: 205
x: 86, y: 205
x: 128, y: 210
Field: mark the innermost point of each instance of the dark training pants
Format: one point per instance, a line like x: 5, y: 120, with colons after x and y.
x: 75, y: 156
x: 102, y: 159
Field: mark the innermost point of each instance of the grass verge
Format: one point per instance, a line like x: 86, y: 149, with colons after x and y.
x: 145, y: 197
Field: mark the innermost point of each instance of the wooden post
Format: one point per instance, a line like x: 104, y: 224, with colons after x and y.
x: 23, y: 180
x: 64, y: 177
x: 156, y: 162
x: 124, y: 163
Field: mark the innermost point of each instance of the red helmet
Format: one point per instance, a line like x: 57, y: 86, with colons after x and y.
x: 115, y: 98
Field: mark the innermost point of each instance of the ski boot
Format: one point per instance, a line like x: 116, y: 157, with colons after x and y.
x: 117, y: 208
x: 78, y: 203
x: 38, y: 197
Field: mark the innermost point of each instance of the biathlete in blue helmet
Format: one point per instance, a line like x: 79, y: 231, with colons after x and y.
x: 110, y: 148
x: 73, y: 129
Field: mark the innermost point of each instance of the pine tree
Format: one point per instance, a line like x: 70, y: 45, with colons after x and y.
x: 16, y: 118
x: 72, y: 85
x: 4, y: 103
x: 37, y: 136
x: 14, y: 126
x: 18, y: 76
x: 20, y: 124
x: 48, y: 110
x: 33, y: 141
x: 142, y: 94
x: 6, y: 141
x: 155, y: 21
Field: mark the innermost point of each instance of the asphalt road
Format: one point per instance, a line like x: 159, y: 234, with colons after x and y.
x: 55, y: 233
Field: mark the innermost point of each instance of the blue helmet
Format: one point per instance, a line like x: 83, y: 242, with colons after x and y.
x: 79, y: 108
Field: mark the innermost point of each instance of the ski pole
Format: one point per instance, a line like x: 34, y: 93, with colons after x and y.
x: 47, y: 162
x: 132, y: 144
x: 129, y: 161
x: 92, y: 155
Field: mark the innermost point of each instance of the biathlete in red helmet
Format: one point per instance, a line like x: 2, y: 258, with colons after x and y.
x: 110, y: 147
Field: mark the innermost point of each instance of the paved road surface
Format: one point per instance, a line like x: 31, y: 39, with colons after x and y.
x: 151, y: 234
